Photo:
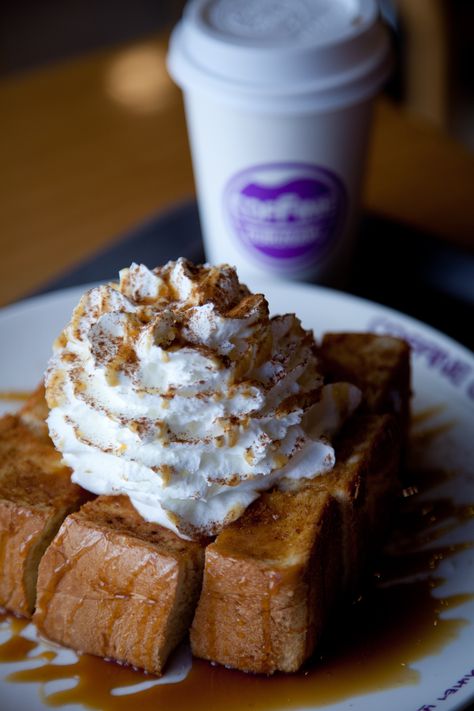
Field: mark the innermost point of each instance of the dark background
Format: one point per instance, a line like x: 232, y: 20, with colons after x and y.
x: 37, y: 32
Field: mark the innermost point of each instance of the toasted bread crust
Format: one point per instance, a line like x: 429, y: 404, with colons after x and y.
x: 35, y: 495
x: 113, y: 585
x: 267, y: 581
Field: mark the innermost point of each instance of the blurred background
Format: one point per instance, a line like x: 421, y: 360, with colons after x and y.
x: 434, y: 40
x: 94, y: 147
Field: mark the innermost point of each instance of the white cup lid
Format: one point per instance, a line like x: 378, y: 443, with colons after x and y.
x: 315, y: 53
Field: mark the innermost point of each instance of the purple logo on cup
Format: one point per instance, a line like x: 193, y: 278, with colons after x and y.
x: 286, y: 214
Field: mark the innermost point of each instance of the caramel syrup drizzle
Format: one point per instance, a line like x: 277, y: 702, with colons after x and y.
x: 395, y: 622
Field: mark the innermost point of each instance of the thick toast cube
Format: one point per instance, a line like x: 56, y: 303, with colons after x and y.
x: 272, y: 578
x: 267, y: 583
x: 36, y: 494
x: 116, y: 586
x: 363, y: 486
x: 378, y: 365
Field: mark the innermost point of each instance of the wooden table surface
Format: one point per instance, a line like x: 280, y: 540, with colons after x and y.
x: 93, y: 146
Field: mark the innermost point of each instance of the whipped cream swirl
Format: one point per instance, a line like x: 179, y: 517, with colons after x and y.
x: 175, y: 387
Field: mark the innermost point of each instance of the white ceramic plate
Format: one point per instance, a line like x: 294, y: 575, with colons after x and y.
x: 443, y: 381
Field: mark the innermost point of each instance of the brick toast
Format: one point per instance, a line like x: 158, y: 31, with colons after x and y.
x: 128, y: 590
x: 266, y: 634
x: 36, y: 494
x: 116, y: 586
x: 273, y: 577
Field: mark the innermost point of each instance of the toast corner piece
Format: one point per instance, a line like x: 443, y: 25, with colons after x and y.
x: 268, y: 581
x: 378, y: 365
x: 112, y: 585
x: 273, y: 578
x: 35, y: 495
x: 18, y: 524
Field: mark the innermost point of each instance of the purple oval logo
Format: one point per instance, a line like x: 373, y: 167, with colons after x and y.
x: 286, y: 214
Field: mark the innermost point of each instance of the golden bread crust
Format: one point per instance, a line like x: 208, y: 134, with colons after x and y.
x: 113, y: 585
x: 262, y: 606
x: 36, y: 494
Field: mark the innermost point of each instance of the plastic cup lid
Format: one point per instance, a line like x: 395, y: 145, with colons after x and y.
x: 313, y: 52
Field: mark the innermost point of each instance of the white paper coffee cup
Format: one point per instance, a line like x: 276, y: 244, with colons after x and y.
x: 278, y: 97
